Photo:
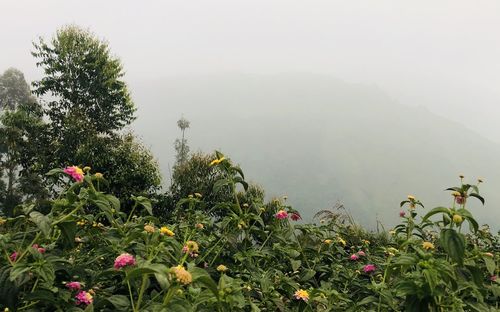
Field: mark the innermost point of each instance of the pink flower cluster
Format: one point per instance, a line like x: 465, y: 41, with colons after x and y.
x: 402, y: 214
x: 295, y: 216
x: 369, y: 268
x: 123, y: 260
x: 40, y: 249
x: 75, y: 172
x: 13, y: 256
x: 282, y: 214
x: 74, y: 285
x: 357, y: 255
x: 84, y: 297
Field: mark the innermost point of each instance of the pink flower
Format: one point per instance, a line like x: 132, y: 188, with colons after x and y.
x: 185, y: 249
x: 74, y: 285
x: 84, y: 297
x: 282, y: 214
x: 124, y: 260
x: 361, y: 253
x: 75, y: 172
x: 369, y: 268
x: 354, y: 257
x: 40, y: 249
x: 459, y: 200
x: 402, y: 214
x: 295, y: 216
x: 13, y: 256
x: 493, y: 278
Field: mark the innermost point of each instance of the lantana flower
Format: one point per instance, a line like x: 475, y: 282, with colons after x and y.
x: 166, y: 231
x: 295, y: 216
x: 73, y: 285
x: 40, y: 249
x: 75, y: 172
x: 13, y: 256
x: 301, y: 294
x: 354, y: 257
x: 221, y: 268
x: 84, y: 297
x: 149, y: 228
x: 124, y: 260
x: 282, y: 214
x: 369, y: 268
x: 428, y: 245
x: 181, y: 275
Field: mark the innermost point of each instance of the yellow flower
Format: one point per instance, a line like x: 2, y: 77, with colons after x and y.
x: 199, y: 226
x: 411, y: 197
x: 166, y: 231
x: 328, y: 241
x: 455, y: 193
x: 301, y: 295
x: 81, y: 222
x: 342, y: 241
x: 428, y: 245
x: 366, y: 242
x: 98, y: 175
x: 181, y: 275
x: 222, y: 268
x: 192, y: 246
x: 217, y: 161
x: 149, y: 228
x: 86, y: 169
x: 457, y: 218
x: 197, y: 195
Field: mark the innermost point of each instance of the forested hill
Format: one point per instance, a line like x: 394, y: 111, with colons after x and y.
x: 320, y: 140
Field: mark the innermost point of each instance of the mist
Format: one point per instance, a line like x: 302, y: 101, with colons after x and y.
x: 370, y: 101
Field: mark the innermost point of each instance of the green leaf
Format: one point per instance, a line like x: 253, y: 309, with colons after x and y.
x: 144, y: 202
x: 490, y: 265
x: 477, y: 196
x: 295, y: 264
x: 41, y: 221
x: 137, y: 272
x: 68, y: 233
x: 307, y: 275
x: 435, y: 211
x: 120, y: 302
x: 454, y: 244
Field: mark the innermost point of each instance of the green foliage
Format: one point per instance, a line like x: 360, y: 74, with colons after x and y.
x: 254, y: 257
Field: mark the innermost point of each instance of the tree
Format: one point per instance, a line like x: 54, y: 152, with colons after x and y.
x: 181, y: 146
x: 19, y: 113
x: 14, y: 89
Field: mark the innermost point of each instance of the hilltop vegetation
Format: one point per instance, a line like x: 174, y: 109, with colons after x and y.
x: 84, y: 226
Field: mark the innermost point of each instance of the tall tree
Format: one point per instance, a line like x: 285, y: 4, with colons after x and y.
x: 181, y: 146
x: 14, y: 90
x: 19, y: 113
x: 87, y: 106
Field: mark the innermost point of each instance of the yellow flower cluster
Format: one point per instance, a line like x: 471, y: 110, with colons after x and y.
x: 222, y: 268
x: 149, y: 228
x: 301, y: 295
x: 328, y: 241
x: 428, y: 245
x: 181, y: 275
x: 192, y: 246
x: 217, y: 161
x: 166, y: 231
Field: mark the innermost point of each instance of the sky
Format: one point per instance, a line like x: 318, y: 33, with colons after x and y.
x: 443, y: 55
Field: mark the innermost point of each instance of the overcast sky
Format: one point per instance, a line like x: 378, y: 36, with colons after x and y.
x: 444, y: 55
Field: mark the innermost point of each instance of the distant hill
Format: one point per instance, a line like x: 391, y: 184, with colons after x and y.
x: 320, y: 140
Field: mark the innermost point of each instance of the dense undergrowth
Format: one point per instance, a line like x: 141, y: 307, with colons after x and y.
x: 84, y: 254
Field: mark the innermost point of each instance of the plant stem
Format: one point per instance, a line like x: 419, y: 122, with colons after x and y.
x: 130, y: 293
x: 141, y: 291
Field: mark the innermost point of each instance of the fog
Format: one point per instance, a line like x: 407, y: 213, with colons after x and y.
x: 424, y: 58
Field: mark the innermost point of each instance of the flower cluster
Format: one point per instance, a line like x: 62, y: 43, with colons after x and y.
x: 181, y: 275
x: 282, y: 214
x: 75, y: 172
x: 84, y: 297
x: 301, y: 294
x: 38, y: 248
x: 74, y: 285
x: 192, y: 248
x: 166, y: 231
x: 369, y: 268
x: 124, y: 260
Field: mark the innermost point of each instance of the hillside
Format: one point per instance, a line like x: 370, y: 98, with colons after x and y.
x: 321, y: 140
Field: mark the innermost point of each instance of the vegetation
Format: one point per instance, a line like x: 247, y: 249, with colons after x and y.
x: 87, y: 254
x: 98, y: 236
